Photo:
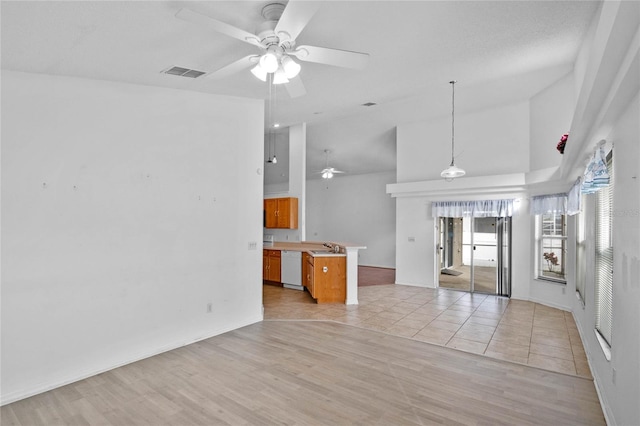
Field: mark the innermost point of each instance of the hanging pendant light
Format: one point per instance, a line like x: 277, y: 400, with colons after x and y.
x: 274, y: 160
x: 452, y: 171
x: 275, y: 139
x: 271, y: 133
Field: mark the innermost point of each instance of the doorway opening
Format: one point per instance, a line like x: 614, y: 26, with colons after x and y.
x: 475, y: 254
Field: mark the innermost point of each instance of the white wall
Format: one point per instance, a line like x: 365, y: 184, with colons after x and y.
x: 551, y: 113
x: 415, y: 242
x: 489, y: 142
x: 620, y: 395
x: 354, y: 209
x: 125, y: 211
x: 608, y: 106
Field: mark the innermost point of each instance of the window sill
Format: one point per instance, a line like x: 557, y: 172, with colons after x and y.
x: 551, y: 280
x: 606, y: 349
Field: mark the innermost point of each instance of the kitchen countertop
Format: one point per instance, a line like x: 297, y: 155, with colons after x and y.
x: 308, y: 247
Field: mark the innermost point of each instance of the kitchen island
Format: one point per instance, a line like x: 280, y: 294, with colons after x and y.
x: 336, y: 276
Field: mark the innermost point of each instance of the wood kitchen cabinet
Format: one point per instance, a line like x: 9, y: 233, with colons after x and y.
x: 271, y: 264
x: 307, y: 273
x: 281, y: 213
x: 326, y: 278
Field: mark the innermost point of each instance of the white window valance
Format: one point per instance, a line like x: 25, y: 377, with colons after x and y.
x: 573, y: 198
x: 483, y: 208
x: 596, y: 174
x: 546, y: 204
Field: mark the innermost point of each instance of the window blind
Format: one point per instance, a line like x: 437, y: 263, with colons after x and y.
x: 604, y: 257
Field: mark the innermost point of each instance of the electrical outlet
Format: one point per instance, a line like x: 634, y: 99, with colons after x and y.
x: 209, y: 307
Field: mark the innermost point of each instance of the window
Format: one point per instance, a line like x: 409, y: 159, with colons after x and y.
x: 604, y: 257
x: 551, y: 239
x: 581, y: 260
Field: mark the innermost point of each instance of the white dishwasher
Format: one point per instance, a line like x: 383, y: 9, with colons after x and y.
x: 291, y: 272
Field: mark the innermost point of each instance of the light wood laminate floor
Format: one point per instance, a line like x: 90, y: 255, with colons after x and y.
x: 496, y: 327
x: 315, y: 373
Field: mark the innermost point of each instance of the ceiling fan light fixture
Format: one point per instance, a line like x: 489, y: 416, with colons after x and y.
x: 280, y: 77
x: 327, y: 174
x: 291, y: 68
x: 269, y: 62
x: 259, y: 72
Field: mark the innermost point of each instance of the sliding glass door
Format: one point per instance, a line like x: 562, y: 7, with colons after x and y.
x: 475, y: 254
x: 503, y: 285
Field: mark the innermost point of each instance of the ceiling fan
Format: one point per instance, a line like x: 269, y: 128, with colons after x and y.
x: 276, y: 39
x: 328, y: 172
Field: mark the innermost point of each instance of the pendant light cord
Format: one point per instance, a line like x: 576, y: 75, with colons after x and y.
x: 273, y: 122
x: 453, y: 117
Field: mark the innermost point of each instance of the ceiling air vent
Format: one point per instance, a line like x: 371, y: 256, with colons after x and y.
x: 184, y: 72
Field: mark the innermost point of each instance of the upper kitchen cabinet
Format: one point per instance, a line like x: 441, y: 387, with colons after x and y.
x: 281, y: 213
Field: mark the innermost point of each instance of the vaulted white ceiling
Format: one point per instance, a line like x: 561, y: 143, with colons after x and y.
x: 498, y: 51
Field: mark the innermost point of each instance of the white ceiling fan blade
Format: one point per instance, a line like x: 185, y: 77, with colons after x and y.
x: 294, y: 18
x: 234, y: 67
x: 336, y: 57
x: 219, y: 26
x: 295, y: 88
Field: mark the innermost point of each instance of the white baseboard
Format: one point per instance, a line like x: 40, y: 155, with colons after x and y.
x: 608, y: 418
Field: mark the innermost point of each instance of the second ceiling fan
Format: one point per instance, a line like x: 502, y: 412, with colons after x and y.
x: 328, y: 172
x: 276, y: 38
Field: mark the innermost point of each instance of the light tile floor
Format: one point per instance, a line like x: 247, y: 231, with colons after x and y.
x: 497, y: 327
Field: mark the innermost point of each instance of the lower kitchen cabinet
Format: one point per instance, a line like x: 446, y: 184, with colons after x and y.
x: 307, y: 273
x: 271, y: 264
x: 325, y: 278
